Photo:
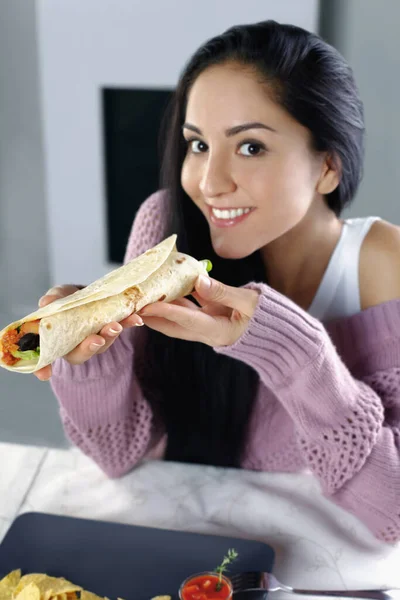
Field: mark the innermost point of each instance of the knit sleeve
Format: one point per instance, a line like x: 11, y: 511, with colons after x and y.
x: 341, y: 419
x: 102, y: 407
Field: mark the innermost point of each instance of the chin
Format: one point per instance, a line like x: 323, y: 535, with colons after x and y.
x: 231, y: 253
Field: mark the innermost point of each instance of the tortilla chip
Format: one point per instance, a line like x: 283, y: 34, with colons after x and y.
x: 8, y: 584
x: 11, y: 580
x: 26, y: 580
x: 39, y: 586
x: 6, y: 593
x: 51, y: 587
x: 85, y: 595
x: 29, y: 592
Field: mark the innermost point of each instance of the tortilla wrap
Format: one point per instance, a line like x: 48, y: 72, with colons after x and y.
x: 160, y: 274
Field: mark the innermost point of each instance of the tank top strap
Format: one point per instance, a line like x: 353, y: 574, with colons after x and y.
x: 338, y: 294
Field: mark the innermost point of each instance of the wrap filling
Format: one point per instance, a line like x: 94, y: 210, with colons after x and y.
x: 21, y: 343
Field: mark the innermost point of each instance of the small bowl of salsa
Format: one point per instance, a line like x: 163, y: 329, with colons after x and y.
x: 206, y: 586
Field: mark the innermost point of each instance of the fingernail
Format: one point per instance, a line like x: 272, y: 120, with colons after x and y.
x: 205, y: 281
x: 116, y: 330
x: 56, y: 297
x: 140, y: 322
x: 95, y: 346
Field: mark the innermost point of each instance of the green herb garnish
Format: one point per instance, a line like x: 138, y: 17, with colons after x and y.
x: 18, y: 328
x: 208, y: 265
x: 229, y: 558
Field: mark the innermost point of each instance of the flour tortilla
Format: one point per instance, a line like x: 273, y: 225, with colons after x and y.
x: 161, y: 273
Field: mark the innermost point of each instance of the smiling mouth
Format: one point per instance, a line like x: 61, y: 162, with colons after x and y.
x: 228, y: 216
x: 229, y: 213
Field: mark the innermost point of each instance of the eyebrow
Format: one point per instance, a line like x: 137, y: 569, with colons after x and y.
x: 234, y: 130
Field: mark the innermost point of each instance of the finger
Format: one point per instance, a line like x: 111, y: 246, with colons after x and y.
x: 44, y: 374
x: 211, y: 290
x: 109, y: 333
x: 211, y: 333
x: 186, y: 317
x: 57, y: 291
x: 212, y: 308
x: 85, y: 350
x: 186, y: 303
x: 132, y: 321
x: 199, y: 299
x: 63, y: 290
x: 170, y: 329
x: 47, y: 299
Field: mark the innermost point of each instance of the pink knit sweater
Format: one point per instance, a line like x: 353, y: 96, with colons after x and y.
x: 328, y: 399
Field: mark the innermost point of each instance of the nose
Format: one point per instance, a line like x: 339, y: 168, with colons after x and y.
x: 216, y: 177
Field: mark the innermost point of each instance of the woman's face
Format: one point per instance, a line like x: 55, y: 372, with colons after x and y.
x: 249, y: 167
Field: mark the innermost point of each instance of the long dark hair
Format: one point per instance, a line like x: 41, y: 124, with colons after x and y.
x: 205, y: 399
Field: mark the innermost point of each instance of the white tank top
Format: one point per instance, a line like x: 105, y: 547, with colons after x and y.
x: 338, y: 294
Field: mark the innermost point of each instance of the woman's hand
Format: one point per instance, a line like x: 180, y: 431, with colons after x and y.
x: 220, y: 320
x: 93, y: 344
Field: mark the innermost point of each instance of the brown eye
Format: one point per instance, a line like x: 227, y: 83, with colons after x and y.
x: 197, y: 146
x: 251, y: 149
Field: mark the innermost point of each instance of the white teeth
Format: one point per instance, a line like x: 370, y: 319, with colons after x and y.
x: 230, y: 214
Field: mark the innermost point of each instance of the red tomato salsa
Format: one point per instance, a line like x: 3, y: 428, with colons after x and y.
x: 205, y: 587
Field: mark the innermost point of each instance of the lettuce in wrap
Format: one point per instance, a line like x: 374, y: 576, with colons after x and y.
x: 160, y: 274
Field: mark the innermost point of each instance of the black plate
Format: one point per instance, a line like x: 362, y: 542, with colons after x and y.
x: 251, y: 595
x: 109, y: 559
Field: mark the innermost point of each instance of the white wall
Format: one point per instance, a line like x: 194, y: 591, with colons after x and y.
x: 84, y: 45
x: 366, y: 32
x: 24, y: 272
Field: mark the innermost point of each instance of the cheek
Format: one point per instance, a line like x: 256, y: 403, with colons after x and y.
x: 189, y: 179
x: 296, y: 182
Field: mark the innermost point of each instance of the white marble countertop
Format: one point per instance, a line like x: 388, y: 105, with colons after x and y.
x: 317, y: 544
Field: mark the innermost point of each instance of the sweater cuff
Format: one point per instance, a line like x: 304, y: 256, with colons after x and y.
x: 280, y: 340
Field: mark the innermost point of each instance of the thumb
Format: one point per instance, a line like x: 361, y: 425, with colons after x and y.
x: 212, y: 290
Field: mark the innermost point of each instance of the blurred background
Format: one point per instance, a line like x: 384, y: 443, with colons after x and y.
x: 83, y: 85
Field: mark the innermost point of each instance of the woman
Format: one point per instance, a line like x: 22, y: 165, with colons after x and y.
x: 300, y: 368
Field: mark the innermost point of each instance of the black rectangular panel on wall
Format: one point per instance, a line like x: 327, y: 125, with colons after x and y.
x: 131, y: 126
